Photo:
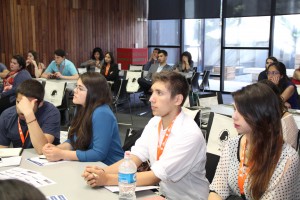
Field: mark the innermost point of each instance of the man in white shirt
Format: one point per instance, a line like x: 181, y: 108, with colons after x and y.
x: 172, y: 142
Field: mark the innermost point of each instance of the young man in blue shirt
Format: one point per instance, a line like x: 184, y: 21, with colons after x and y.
x: 32, y: 122
x: 61, y: 68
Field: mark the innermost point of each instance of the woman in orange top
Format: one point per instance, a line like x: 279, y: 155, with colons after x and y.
x: 110, y: 69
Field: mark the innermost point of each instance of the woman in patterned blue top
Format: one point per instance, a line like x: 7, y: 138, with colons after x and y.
x: 94, y: 134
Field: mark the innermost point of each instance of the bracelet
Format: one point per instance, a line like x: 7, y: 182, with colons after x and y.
x: 31, y: 121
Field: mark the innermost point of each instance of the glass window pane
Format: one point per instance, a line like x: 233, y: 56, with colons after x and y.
x: 286, y: 46
x: 212, y: 44
x: 192, y: 39
x: 247, y: 32
x: 164, y: 32
x: 242, y: 67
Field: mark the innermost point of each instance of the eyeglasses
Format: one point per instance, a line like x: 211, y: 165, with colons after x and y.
x: 272, y: 73
x: 80, y: 88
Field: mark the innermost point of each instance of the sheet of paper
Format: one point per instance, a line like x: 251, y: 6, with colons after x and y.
x: 29, y: 176
x: 11, y: 161
x: 7, y: 152
x: 140, y: 188
x: 57, y: 197
x: 42, y: 162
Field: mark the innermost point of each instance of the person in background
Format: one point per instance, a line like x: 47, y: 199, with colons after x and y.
x: 178, y: 163
x: 185, y: 64
x: 152, y: 60
x: 32, y: 122
x: 97, y: 60
x: 60, y: 67
x: 257, y: 164
x: 93, y: 134
x: 3, y: 70
x: 263, y: 75
x: 12, y: 80
x: 13, y: 189
x: 289, y: 125
x: 33, y: 66
x: 145, y: 83
x: 110, y: 69
x: 296, y: 76
x: 277, y: 74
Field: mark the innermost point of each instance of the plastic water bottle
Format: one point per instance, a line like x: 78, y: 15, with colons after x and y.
x: 127, y: 178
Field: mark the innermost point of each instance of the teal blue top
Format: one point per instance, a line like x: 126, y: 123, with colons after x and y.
x: 106, y: 144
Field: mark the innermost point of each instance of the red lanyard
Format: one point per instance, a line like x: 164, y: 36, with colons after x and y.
x: 242, y: 176
x: 161, y: 147
x: 21, y: 133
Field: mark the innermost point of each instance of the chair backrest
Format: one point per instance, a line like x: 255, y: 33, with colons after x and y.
x: 138, y: 68
x: 219, y: 129
x: 205, y: 82
x: 207, y: 99
x: 193, y: 113
x: 55, y: 91
x: 131, y: 137
x: 120, y: 94
x: 195, y: 82
x: 81, y: 70
x: 132, y: 77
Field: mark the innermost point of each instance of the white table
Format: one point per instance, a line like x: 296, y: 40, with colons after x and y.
x: 69, y: 181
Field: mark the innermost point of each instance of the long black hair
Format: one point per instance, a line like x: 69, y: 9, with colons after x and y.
x: 98, y: 93
x: 260, y: 107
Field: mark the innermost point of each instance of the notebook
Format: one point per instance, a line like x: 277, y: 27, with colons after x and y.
x: 9, y: 152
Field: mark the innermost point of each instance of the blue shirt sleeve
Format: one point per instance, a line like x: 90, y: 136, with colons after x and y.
x: 51, y: 67
x: 72, y: 69
x: 103, y: 125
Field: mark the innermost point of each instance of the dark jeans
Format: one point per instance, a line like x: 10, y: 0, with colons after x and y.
x: 145, y: 85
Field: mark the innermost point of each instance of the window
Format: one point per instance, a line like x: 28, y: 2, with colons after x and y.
x: 287, y: 41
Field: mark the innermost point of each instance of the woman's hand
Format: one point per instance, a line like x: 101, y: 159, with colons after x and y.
x: 275, y: 79
x: 94, y: 176
x: 52, y: 153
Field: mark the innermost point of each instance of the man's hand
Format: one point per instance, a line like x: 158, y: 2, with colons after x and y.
x: 26, y: 106
x: 94, y: 176
x: 58, y: 75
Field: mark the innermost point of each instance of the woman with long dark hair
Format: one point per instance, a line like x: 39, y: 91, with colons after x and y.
x: 94, y: 134
x: 257, y: 164
x: 277, y: 74
x: 185, y: 64
x: 110, y: 69
x: 97, y: 60
x: 33, y: 66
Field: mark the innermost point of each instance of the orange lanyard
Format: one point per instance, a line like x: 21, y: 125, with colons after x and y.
x: 242, y: 176
x: 161, y: 147
x: 21, y: 133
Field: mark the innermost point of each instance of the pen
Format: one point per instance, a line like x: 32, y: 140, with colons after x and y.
x: 0, y: 159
